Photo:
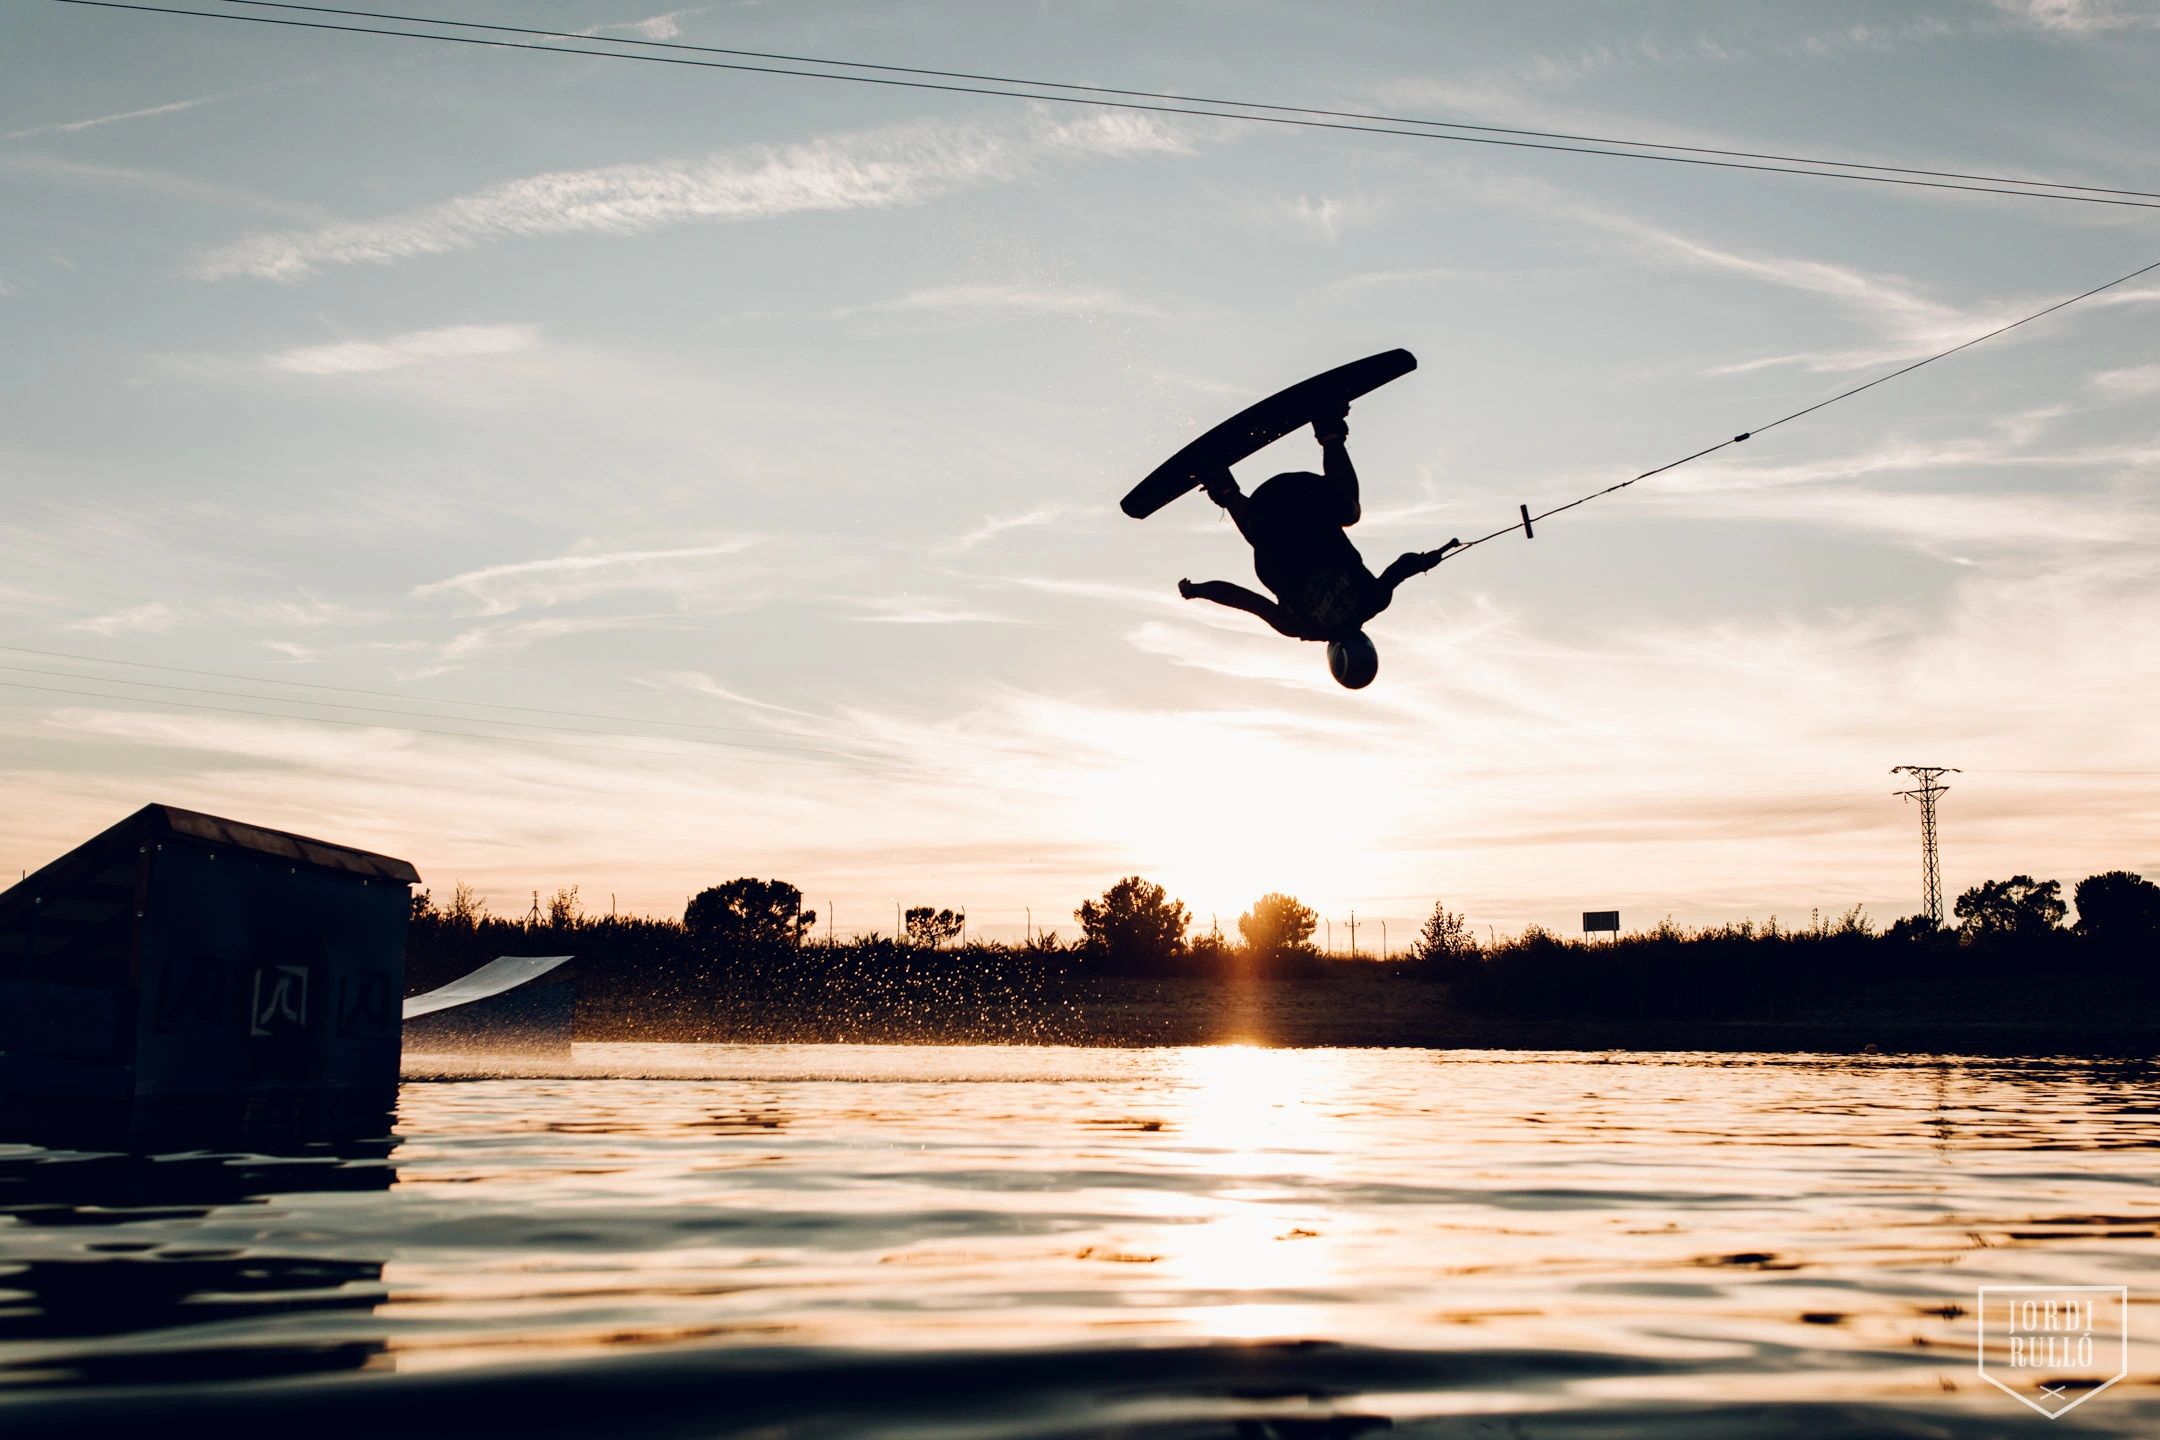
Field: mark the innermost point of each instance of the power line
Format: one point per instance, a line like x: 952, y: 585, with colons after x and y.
x: 419, y: 714
x: 384, y: 694
x: 1528, y: 520
x: 406, y: 729
x: 1819, y: 807
x: 1185, y: 99
x: 1281, y: 119
x: 1992, y: 770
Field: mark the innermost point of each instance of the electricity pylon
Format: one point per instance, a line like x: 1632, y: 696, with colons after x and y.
x: 1927, y: 788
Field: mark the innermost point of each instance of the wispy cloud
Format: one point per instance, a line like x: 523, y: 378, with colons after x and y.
x: 2081, y: 17
x: 558, y: 579
x: 1517, y: 91
x: 1895, y: 301
x: 1909, y: 320
x: 1951, y: 526
x: 1235, y: 652
x: 996, y: 525
x: 1024, y: 299
x: 652, y: 27
x: 155, y: 617
x: 519, y: 634
x: 175, y: 107
x: 1144, y: 597
x: 157, y: 182
x: 1929, y: 495
x: 2005, y: 446
x: 1916, y: 340
x: 695, y: 683
x: 1325, y: 218
x: 424, y: 659
x: 2135, y: 380
x: 149, y: 618
x: 1879, y: 36
x: 1412, y: 275
x: 891, y: 167
x: 361, y: 357
x: 909, y: 610
x: 306, y: 612
x: 1543, y: 71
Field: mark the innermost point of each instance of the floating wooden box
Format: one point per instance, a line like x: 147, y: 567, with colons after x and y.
x: 191, y: 978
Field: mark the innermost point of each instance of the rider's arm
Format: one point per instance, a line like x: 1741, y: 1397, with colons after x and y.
x: 1416, y: 562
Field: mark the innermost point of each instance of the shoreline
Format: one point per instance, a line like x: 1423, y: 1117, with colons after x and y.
x: 1388, y: 1010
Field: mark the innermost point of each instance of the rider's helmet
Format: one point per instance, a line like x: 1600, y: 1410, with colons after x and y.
x: 1353, y: 661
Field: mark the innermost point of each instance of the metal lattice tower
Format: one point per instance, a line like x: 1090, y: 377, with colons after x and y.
x: 1927, y: 788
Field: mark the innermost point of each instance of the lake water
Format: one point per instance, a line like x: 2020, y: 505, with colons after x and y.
x: 898, y: 1241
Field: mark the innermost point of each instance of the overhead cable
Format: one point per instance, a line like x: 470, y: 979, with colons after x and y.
x: 393, y: 694
x: 301, y: 700
x: 842, y: 761
x: 1528, y: 520
x: 1179, y: 98
x: 1279, y: 116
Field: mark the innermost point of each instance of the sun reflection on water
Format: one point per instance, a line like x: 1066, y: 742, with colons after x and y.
x: 1253, y: 1118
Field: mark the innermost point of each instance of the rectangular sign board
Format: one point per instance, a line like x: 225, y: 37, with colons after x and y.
x: 1601, y: 920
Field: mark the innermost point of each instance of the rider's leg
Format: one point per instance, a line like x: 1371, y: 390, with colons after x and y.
x: 1237, y: 597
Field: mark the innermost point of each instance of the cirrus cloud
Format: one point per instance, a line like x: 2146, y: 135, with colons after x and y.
x: 886, y: 168
x: 447, y: 342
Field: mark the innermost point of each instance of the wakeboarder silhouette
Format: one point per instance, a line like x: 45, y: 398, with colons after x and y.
x: 1295, y: 522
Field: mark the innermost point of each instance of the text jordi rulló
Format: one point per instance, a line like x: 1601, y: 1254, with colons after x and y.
x: 2054, y: 1346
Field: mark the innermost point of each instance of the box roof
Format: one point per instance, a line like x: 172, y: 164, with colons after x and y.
x: 159, y: 820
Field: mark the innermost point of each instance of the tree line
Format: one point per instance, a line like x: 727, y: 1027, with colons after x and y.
x: 751, y: 943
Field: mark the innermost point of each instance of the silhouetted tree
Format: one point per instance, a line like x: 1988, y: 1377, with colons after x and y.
x: 562, y: 908
x: 1210, y: 954
x: 933, y: 928
x: 2020, y: 907
x: 1276, y: 926
x: 468, y: 907
x: 1912, y: 930
x: 749, y: 912
x: 1445, y: 939
x: 1136, y: 926
x: 1854, y: 923
x: 2118, y: 905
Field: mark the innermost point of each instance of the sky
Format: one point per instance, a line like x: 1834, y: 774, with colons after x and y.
x: 688, y: 474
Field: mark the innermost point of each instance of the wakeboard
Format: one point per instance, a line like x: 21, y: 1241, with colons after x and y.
x: 1258, y: 426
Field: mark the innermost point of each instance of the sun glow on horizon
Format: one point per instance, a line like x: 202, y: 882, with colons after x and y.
x: 1223, y: 813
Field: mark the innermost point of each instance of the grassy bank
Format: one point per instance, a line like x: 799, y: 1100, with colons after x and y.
x: 1373, y: 1005
x: 1818, y: 989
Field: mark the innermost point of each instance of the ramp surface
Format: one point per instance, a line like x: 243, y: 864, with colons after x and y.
x: 500, y: 975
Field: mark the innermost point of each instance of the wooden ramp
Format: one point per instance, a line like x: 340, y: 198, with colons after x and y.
x: 514, y: 1004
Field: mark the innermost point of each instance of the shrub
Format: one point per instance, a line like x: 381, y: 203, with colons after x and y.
x: 1277, y: 928
x: 2020, y: 907
x: 2118, y: 906
x: 1136, y: 928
